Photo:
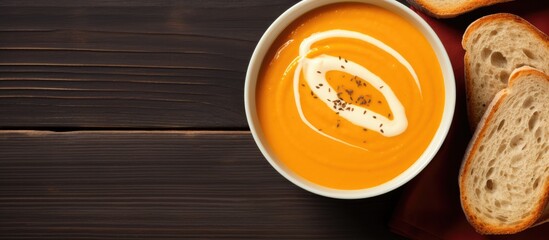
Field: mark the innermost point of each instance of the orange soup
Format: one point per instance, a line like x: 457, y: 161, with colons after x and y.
x: 349, y: 96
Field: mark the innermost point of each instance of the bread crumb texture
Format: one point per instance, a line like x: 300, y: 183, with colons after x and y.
x: 495, y: 47
x: 508, y: 172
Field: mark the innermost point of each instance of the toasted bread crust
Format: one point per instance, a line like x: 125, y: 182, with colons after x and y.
x: 498, y: 17
x: 472, y: 149
x: 473, y: 27
x: 433, y: 10
x: 469, y: 154
x: 468, y: 89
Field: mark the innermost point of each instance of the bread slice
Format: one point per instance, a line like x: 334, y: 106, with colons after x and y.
x: 450, y: 8
x: 494, y: 46
x: 504, y: 177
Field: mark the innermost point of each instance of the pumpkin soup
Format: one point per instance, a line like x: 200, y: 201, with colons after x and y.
x: 349, y: 96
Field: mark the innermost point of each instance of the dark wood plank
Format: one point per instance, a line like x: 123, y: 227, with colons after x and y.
x: 139, y: 3
x: 166, y: 64
x: 161, y: 184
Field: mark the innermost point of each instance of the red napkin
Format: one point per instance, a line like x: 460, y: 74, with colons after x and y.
x: 430, y: 207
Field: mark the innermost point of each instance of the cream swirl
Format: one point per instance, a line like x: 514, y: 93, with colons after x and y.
x: 315, y: 69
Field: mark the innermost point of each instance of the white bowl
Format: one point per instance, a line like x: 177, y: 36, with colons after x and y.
x: 250, y: 99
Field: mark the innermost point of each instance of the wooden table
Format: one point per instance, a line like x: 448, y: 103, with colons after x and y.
x: 125, y: 120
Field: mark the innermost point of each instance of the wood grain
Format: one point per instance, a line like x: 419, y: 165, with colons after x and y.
x: 165, y: 184
x: 149, y: 140
x: 121, y: 65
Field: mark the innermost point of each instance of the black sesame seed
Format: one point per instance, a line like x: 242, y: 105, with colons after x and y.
x: 342, y: 66
x: 374, y: 117
x: 381, y: 130
x: 320, y: 84
x: 318, y: 72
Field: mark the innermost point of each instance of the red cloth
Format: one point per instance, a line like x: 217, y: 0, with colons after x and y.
x: 430, y: 207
